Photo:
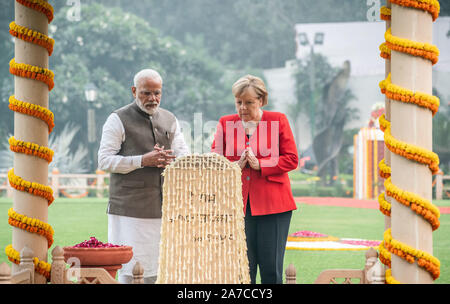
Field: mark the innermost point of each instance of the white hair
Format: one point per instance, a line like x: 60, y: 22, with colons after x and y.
x: 147, y: 73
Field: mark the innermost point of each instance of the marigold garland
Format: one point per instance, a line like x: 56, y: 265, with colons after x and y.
x: 385, y: 52
x: 33, y: 110
x: 32, y: 72
x: 410, y: 254
x: 385, y: 13
x: 33, y: 188
x: 398, y: 93
x: 418, y: 49
x: 385, y: 170
x: 31, y: 68
x: 418, y: 204
x: 431, y: 6
x: 31, y: 225
x: 29, y: 148
x: 40, y: 6
x: 408, y: 151
x: 46, y: 76
x: 385, y: 255
x: 385, y: 206
x: 31, y: 36
x: 389, y: 278
x: 40, y: 267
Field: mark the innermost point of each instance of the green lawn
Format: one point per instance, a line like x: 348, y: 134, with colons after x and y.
x: 351, y: 223
x: 442, y: 203
x: 76, y: 220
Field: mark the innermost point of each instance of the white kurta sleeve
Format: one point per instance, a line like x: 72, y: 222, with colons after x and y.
x: 113, y: 135
x: 179, y: 146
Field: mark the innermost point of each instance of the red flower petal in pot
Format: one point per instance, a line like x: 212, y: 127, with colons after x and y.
x: 99, y: 255
x: 109, y: 258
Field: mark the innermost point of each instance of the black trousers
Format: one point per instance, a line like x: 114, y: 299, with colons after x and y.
x: 266, y: 243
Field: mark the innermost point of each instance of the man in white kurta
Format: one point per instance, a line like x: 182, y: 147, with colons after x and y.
x: 143, y: 234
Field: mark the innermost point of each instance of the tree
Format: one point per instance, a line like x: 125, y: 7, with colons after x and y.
x: 323, y: 73
x: 243, y: 33
x: 6, y: 79
x: 332, y: 110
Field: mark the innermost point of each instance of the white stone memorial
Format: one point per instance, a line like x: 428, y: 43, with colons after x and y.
x: 202, y: 233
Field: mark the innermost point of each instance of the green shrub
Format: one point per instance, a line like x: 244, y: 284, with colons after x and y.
x: 325, y: 191
x: 302, y: 190
x: 298, y: 176
x: 337, y: 190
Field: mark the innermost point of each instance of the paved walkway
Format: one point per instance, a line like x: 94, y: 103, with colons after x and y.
x: 348, y: 202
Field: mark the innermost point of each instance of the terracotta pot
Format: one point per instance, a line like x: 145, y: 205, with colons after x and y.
x: 110, y: 259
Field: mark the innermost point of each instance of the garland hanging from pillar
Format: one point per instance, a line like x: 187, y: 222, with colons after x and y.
x: 419, y: 205
x: 46, y: 76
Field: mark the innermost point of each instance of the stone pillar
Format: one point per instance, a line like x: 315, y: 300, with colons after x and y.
x: 412, y: 124
x: 387, y: 107
x: 30, y: 129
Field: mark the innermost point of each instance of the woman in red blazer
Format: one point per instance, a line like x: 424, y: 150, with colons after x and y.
x: 261, y: 142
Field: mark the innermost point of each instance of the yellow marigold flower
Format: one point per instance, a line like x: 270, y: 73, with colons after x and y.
x: 385, y: 10
x: 389, y: 278
x: 384, y: 49
x: 411, y: 197
x: 410, y: 250
x: 383, y: 202
x: 383, y: 167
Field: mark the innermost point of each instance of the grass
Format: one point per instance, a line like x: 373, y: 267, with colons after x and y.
x: 351, y: 223
x: 334, y: 221
x: 442, y: 203
x: 75, y: 220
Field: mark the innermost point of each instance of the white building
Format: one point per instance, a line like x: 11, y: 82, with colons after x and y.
x: 359, y: 43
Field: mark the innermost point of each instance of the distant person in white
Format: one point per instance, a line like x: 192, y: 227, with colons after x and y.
x: 132, y: 150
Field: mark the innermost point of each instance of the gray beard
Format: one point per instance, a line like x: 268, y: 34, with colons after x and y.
x: 144, y: 109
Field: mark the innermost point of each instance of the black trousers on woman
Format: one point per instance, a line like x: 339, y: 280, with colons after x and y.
x: 266, y: 243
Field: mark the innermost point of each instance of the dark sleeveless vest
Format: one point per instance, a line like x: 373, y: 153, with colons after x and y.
x: 139, y: 193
